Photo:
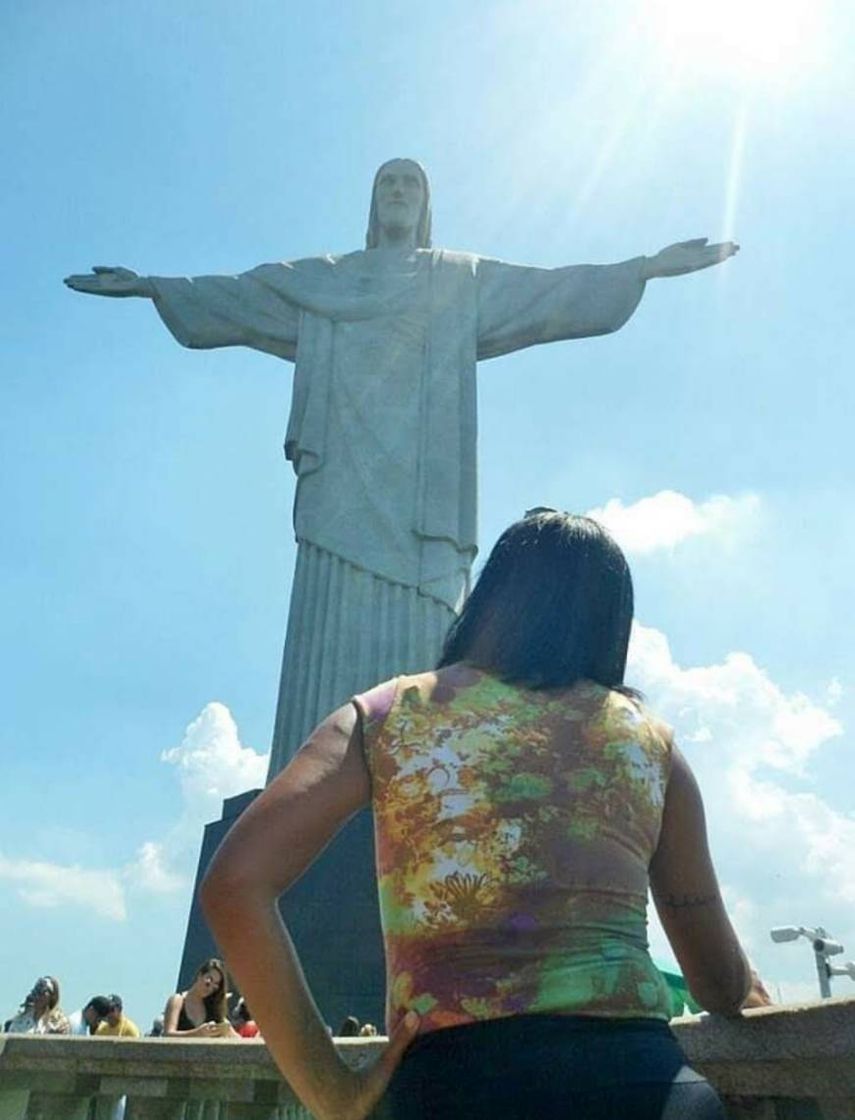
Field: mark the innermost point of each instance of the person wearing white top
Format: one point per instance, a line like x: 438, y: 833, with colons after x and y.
x: 40, y: 1012
x: 87, y: 1020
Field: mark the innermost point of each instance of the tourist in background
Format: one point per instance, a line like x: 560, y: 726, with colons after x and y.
x: 243, y: 1022
x: 201, y: 1011
x: 87, y: 1020
x: 116, y: 1023
x: 524, y: 799
x: 40, y: 1012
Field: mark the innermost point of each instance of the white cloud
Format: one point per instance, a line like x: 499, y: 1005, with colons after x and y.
x: 151, y: 871
x: 668, y: 518
x: 49, y: 885
x: 212, y: 764
x: 786, y: 855
x: 735, y: 703
x: 834, y: 693
x: 823, y: 838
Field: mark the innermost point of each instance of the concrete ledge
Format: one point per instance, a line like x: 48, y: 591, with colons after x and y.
x: 796, y: 1051
x: 782, y: 1063
x: 788, y: 1062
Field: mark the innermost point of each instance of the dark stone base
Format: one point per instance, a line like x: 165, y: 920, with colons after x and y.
x: 198, y: 941
x: 331, y: 914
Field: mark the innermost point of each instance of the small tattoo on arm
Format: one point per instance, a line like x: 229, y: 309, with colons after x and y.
x: 684, y: 901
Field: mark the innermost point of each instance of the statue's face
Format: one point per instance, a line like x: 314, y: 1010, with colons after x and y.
x: 400, y: 196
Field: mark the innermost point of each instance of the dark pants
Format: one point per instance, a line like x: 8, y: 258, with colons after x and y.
x: 549, y: 1067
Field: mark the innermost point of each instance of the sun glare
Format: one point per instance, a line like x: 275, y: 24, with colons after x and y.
x: 763, y: 41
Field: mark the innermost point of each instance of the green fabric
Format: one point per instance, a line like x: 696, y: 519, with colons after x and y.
x: 682, y: 1002
x: 514, y: 829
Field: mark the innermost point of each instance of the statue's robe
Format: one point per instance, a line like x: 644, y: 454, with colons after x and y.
x: 382, y: 436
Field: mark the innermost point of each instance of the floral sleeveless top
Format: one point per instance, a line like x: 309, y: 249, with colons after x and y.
x: 514, y: 829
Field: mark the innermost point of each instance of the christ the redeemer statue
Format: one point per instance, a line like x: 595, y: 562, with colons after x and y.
x: 382, y: 431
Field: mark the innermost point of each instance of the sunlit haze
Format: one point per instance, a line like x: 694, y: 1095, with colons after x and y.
x: 762, y: 42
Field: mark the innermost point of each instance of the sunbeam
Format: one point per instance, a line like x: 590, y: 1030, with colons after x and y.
x: 734, y: 175
x: 761, y: 42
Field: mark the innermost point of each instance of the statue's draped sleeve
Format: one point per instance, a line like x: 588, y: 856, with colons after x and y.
x: 473, y: 307
x: 520, y: 306
x: 299, y: 311
x: 250, y: 309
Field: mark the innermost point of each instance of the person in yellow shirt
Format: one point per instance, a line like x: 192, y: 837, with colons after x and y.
x: 116, y: 1023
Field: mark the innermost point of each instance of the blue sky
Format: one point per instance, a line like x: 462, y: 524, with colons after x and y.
x: 147, y: 553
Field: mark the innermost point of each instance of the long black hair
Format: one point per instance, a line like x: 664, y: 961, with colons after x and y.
x: 553, y: 605
x: 216, y: 1003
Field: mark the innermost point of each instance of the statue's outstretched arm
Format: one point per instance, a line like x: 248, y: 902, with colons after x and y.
x: 105, y: 280
x: 206, y: 312
x: 687, y: 256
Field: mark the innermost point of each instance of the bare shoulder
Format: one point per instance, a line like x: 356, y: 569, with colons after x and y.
x: 683, y: 780
x: 458, y: 675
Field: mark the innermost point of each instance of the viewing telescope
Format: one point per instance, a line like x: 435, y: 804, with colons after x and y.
x: 823, y: 948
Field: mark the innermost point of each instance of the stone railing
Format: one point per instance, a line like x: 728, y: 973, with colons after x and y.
x: 780, y: 1063
x: 793, y: 1062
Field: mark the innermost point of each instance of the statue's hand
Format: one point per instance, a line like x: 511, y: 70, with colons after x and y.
x: 105, y: 281
x: 688, y: 256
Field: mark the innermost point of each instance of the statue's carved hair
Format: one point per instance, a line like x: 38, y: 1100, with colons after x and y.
x: 423, y: 229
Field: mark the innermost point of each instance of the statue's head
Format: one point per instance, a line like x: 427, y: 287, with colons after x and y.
x: 400, y: 201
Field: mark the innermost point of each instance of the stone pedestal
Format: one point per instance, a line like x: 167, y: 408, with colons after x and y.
x: 198, y: 941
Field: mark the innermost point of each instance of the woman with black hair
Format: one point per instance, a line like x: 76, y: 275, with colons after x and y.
x: 524, y: 800
x: 201, y: 1011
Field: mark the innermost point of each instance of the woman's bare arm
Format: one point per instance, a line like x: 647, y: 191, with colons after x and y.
x: 270, y: 846
x: 686, y: 892
x: 170, y: 1022
x: 170, y: 1017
